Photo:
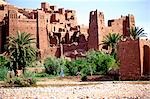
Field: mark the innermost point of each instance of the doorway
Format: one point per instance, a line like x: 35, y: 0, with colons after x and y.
x: 146, y: 61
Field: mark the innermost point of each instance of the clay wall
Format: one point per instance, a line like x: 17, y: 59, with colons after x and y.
x: 28, y: 26
x: 45, y: 6
x: 145, y: 57
x: 71, y: 18
x: 129, y: 58
x: 115, y: 26
x: 51, y: 51
x: 96, y: 30
x: 121, y: 25
x: 58, y: 28
x: 93, y: 31
x: 12, y: 22
x: 42, y: 38
x: 101, y: 29
x: 10, y: 7
x: 61, y: 11
x: 84, y: 31
x: 2, y: 15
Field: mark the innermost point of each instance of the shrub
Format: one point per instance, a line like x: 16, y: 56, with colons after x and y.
x: 22, y: 81
x: 50, y: 65
x: 4, y: 62
x: 28, y: 74
x: 81, y: 66
x: 55, y: 66
x: 94, y: 63
x: 62, y: 69
x: 84, y: 67
x: 102, y: 61
x: 27, y: 80
x: 72, y: 68
x: 3, y: 72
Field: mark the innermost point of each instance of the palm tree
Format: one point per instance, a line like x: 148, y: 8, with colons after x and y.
x: 137, y: 32
x: 111, y: 41
x: 21, y: 51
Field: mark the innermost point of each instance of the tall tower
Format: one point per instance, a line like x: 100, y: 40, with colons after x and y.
x: 12, y: 22
x: 96, y: 30
x: 42, y: 41
x: 128, y: 23
x: 131, y: 21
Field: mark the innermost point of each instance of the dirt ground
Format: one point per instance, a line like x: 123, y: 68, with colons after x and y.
x: 73, y: 89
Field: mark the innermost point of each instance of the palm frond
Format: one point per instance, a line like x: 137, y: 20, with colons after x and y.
x: 137, y: 32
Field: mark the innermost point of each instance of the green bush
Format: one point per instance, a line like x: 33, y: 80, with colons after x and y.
x: 28, y: 74
x: 72, y: 68
x: 54, y: 66
x: 95, y: 62
x: 4, y: 62
x: 3, y: 72
x: 27, y: 80
x: 102, y: 61
x: 81, y: 66
x: 22, y: 81
x: 50, y: 65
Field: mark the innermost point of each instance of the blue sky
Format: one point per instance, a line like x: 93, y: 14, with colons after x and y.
x: 112, y: 9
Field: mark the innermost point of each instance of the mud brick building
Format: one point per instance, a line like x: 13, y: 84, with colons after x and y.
x: 98, y: 30
x: 52, y: 26
x: 49, y: 25
x: 57, y: 33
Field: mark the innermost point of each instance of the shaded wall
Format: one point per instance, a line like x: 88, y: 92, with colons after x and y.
x: 145, y: 57
x: 51, y: 51
x: 72, y: 47
x: 134, y: 57
x: 129, y: 58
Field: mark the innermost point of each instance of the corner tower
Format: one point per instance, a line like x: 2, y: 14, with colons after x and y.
x: 96, y: 30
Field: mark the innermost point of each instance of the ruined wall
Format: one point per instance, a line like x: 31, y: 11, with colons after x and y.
x: 129, y: 58
x: 75, y: 50
x: 72, y: 47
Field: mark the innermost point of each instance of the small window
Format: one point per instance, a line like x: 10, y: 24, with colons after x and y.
x: 54, y: 28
